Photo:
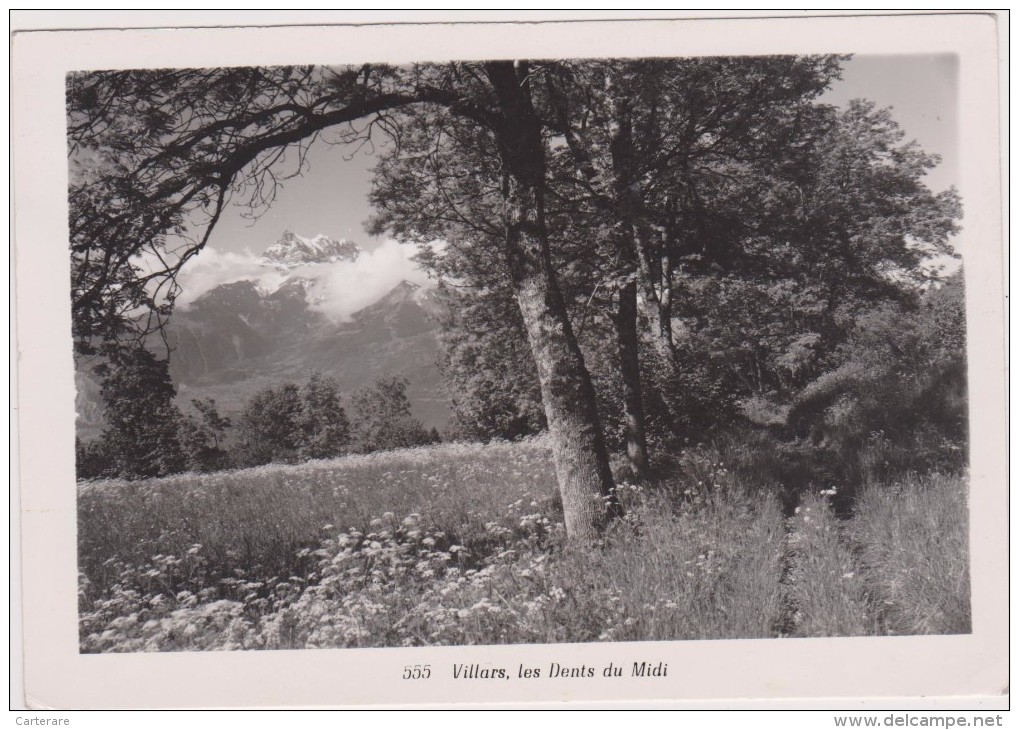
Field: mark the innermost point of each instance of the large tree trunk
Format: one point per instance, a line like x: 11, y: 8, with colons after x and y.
x: 578, y: 446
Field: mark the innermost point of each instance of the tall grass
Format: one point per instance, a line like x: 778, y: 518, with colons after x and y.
x: 913, y: 543
x: 707, y: 570
x: 445, y: 545
x: 827, y: 591
x: 899, y: 566
x: 254, y: 523
x: 464, y: 544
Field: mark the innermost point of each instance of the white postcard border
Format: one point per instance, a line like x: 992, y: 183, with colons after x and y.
x: 56, y: 675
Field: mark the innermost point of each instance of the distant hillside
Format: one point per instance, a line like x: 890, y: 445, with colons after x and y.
x: 237, y: 339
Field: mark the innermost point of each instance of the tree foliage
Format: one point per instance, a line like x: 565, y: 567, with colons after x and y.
x: 382, y: 417
x: 756, y: 222
x: 146, y: 433
x: 324, y: 426
x: 488, y: 367
x: 203, y: 437
x: 291, y: 423
x: 142, y: 436
x: 268, y: 430
x: 116, y: 219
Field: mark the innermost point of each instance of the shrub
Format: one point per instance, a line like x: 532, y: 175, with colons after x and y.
x: 269, y: 429
x: 288, y: 424
x: 897, y: 401
x: 142, y: 436
x: 382, y: 417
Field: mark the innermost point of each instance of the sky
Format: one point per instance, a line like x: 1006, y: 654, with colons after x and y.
x: 331, y: 197
x: 922, y: 91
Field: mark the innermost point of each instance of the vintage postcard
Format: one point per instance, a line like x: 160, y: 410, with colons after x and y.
x: 625, y: 360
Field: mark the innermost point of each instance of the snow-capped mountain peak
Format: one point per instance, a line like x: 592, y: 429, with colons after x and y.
x: 292, y: 251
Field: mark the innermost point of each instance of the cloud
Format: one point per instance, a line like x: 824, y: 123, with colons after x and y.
x: 211, y: 268
x: 343, y: 288
x: 338, y: 289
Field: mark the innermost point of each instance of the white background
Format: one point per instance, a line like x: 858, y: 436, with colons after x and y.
x: 723, y: 670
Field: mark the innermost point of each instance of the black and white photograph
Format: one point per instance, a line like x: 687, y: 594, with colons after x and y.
x: 537, y: 350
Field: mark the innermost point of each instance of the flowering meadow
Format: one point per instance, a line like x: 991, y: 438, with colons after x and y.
x: 464, y: 544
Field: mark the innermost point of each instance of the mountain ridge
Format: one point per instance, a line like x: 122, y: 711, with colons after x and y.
x: 292, y: 251
x: 239, y: 338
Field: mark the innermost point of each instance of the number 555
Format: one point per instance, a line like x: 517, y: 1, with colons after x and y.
x: 418, y: 671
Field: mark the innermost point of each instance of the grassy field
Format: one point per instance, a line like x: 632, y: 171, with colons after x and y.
x: 463, y: 544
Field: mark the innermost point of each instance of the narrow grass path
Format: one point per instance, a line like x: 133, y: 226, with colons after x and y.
x: 825, y: 584
x: 892, y: 562
x: 785, y: 621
